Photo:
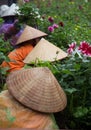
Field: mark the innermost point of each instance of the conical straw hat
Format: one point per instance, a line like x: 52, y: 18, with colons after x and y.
x: 3, y: 9
x: 45, y: 51
x: 29, y: 33
x: 9, y: 11
x: 38, y: 89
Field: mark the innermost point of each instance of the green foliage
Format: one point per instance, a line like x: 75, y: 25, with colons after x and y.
x: 5, y: 48
x: 72, y: 73
x: 29, y: 14
x: 75, y: 79
x: 75, y: 17
x: 1, y: 20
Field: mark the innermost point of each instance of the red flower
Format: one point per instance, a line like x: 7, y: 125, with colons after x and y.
x: 89, y: 51
x: 61, y: 24
x: 50, y: 19
x: 84, y: 47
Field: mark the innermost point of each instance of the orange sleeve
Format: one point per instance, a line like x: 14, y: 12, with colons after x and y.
x: 16, y: 58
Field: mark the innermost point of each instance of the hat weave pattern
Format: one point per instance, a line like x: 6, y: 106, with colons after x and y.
x: 37, y: 88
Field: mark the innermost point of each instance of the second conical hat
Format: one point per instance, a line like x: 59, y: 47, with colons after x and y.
x: 45, y: 51
x: 9, y: 11
x: 30, y: 33
x: 37, y: 88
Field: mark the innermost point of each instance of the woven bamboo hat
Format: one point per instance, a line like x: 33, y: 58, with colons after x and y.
x: 29, y: 33
x: 38, y: 89
x: 5, y: 10
x: 45, y: 51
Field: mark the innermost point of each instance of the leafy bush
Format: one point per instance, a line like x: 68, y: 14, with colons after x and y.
x: 4, y: 50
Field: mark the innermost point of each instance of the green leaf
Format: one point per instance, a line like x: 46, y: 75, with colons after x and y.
x: 71, y: 90
x: 80, y: 112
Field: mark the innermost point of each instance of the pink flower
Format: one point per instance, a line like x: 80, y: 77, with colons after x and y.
x: 26, y: 1
x: 51, y: 28
x: 71, y: 47
x: 55, y: 25
x: 84, y: 48
x: 50, y: 19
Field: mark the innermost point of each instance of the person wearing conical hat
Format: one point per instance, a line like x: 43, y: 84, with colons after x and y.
x: 15, y: 115
x: 45, y: 51
x: 8, y: 15
x: 25, y: 42
x: 31, y: 99
x: 34, y: 119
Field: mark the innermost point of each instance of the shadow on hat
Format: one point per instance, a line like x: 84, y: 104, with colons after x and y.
x: 38, y: 89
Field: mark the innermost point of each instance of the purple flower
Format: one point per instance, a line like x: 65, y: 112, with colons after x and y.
x: 51, y: 28
x: 55, y: 25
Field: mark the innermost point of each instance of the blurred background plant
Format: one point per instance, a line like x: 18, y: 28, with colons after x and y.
x: 5, y: 48
x: 65, y: 22
x: 29, y: 14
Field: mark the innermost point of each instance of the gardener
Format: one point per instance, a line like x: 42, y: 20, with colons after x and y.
x: 8, y: 13
x: 25, y: 43
x: 28, y: 102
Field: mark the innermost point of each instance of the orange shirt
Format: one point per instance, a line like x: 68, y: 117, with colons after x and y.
x: 16, y: 58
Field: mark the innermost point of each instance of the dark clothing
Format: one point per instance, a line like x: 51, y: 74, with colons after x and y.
x: 11, y: 1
